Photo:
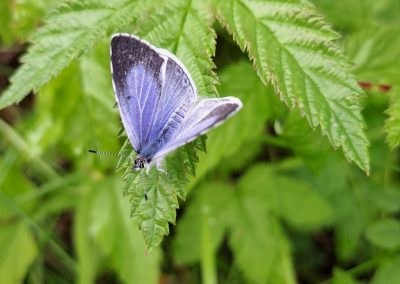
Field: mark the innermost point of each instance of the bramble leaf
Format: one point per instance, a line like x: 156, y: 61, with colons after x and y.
x: 154, y: 196
x: 291, y: 48
x: 184, y: 29
x: 69, y: 31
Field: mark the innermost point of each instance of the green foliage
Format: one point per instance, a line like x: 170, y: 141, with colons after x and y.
x: 260, y: 104
x: 342, y: 277
x: 70, y: 30
x: 19, y: 254
x: 392, y: 125
x: 388, y: 272
x: 291, y: 48
x: 103, y: 231
x: 384, y: 233
x: 270, y: 201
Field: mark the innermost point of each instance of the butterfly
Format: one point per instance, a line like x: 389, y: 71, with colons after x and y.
x: 158, y: 101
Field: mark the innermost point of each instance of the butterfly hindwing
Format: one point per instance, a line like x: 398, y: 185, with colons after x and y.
x: 202, y: 117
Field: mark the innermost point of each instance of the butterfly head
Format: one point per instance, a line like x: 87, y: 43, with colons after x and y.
x: 139, y: 163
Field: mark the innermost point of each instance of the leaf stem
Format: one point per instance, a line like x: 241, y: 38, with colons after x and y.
x: 208, y: 271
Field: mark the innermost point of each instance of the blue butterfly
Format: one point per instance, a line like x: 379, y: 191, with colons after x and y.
x: 158, y: 100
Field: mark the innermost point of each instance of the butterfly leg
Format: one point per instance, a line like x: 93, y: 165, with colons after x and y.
x: 159, y: 167
x: 148, y: 170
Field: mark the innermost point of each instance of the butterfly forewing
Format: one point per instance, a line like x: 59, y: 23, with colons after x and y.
x: 137, y: 85
x: 178, y: 94
x: 153, y: 91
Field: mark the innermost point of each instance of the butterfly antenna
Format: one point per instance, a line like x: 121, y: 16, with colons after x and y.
x: 104, y: 153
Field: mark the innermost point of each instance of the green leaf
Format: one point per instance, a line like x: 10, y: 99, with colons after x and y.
x: 342, y: 277
x: 384, y: 233
x: 71, y: 105
x: 185, y: 29
x: 69, y: 31
x: 291, y: 48
x: 104, y: 234
x: 349, y: 204
x: 289, y: 198
x: 392, y: 124
x: 388, y: 272
x: 375, y: 54
x: 260, y: 247
x: 363, y: 13
x: 386, y: 199
x: 203, y: 223
x: 303, y: 141
x: 17, y: 254
x: 27, y: 17
x: 259, y: 105
x: 154, y: 196
x: 5, y: 21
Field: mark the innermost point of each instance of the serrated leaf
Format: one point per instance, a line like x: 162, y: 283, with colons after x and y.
x: 69, y: 31
x: 204, y: 222
x: 184, y: 29
x: 291, y: 48
x: 154, y: 196
x: 384, y: 233
x: 392, y: 124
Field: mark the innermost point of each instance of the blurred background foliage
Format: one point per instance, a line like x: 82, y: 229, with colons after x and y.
x: 271, y: 201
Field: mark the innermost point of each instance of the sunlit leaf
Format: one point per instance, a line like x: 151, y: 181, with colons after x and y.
x: 70, y: 31
x: 184, y: 29
x: 291, y: 48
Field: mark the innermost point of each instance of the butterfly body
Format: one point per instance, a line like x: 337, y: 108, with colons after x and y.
x: 158, y: 100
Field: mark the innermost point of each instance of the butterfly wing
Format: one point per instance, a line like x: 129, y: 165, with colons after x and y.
x: 153, y: 91
x: 203, y: 116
